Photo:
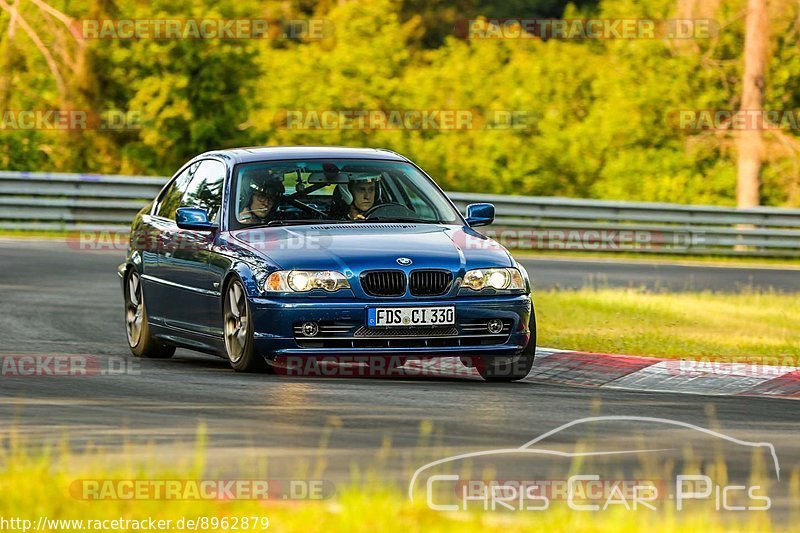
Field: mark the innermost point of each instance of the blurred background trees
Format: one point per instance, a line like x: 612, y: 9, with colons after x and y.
x: 600, y: 113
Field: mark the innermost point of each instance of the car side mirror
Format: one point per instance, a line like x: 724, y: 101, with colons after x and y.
x: 480, y: 214
x: 193, y: 218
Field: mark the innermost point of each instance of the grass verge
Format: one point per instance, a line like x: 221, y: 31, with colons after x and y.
x: 37, y: 487
x: 733, y: 327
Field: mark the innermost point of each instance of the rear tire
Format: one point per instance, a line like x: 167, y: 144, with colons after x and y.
x: 510, y: 368
x: 137, y: 328
x: 238, y: 331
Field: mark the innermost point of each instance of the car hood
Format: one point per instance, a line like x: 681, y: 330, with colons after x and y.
x: 358, y: 247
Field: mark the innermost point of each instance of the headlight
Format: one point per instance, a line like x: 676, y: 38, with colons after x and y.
x: 305, y: 280
x: 493, y: 278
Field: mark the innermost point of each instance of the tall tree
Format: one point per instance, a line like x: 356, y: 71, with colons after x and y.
x: 751, y: 143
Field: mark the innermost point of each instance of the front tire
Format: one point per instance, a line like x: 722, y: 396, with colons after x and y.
x: 238, y: 330
x: 511, y: 368
x: 137, y: 328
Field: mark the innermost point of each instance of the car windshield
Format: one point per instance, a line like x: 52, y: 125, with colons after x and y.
x: 271, y: 193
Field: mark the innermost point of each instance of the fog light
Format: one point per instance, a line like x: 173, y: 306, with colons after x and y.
x: 495, y: 326
x: 310, y: 329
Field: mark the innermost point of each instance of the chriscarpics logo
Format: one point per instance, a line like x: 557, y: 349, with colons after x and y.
x: 597, y: 464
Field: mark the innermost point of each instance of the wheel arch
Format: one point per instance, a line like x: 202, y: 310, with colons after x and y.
x: 242, y: 272
x: 134, y: 261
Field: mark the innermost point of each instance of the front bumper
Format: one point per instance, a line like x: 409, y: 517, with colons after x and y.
x: 342, y: 327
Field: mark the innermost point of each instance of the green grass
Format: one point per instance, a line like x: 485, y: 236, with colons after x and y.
x: 756, y: 327
x: 37, y: 483
x: 351, y: 511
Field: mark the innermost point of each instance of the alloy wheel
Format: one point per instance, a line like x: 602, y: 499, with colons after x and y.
x: 236, y: 322
x: 134, y: 307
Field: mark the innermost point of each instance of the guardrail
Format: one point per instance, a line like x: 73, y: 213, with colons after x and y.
x: 45, y: 201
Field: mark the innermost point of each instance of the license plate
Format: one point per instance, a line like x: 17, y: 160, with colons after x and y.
x: 411, y: 316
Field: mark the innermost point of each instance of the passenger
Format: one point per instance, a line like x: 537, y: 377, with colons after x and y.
x: 264, y: 194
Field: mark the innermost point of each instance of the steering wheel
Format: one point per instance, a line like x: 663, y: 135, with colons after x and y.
x: 393, y: 209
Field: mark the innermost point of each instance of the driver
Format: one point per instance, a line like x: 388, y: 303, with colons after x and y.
x: 263, y: 195
x: 360, y: 194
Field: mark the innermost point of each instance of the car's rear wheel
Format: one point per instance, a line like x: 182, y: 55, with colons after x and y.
x: 238, y: 330
x: 140, y: 340
x: 513, y: 367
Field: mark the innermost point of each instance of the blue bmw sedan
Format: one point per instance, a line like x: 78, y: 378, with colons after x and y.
x: 258, y: 254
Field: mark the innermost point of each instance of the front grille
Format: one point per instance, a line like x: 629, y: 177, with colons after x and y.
x: 342, y: 334
x: 419, y: 331
x: 430, y: 282
x: 384, y: 282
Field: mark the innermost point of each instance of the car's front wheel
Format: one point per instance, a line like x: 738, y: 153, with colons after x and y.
x: 140, y: 340
x: 514, y: 367
x: 238, y: 329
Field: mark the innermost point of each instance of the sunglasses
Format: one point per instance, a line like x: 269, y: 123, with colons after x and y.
x: 264, y: 195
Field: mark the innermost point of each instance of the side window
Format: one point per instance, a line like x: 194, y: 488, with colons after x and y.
x: 171, y: 199
x: 205, y: 188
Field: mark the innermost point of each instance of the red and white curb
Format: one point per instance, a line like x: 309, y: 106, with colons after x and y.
x: 666, y: 375
x: 626, y: 372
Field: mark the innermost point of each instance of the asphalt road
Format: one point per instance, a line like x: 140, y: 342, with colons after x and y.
x: 54, y: 300
x: 575, y: 273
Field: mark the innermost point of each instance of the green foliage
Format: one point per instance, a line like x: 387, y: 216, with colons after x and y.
x: 598, y: 115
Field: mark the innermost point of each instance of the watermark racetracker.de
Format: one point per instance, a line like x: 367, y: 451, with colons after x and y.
x: 755, y: 366
x: 586, y: 29
x: 520, y: 239
x: 70, y: 120
x: 694, y: 120
x: 404, y: 119
x: 201, y: 28
x: 65, y: 365
x: 589, y: 239
x: 125, y: 522
x: 201, y: 489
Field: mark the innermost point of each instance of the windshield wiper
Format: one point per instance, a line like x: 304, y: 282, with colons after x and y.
x: 404, y: 219
x: 300, y: 221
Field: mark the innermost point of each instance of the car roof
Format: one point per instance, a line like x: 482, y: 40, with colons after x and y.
x: 274, y: 153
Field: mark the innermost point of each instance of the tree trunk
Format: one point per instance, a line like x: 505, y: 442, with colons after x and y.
x: 751, y: 144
